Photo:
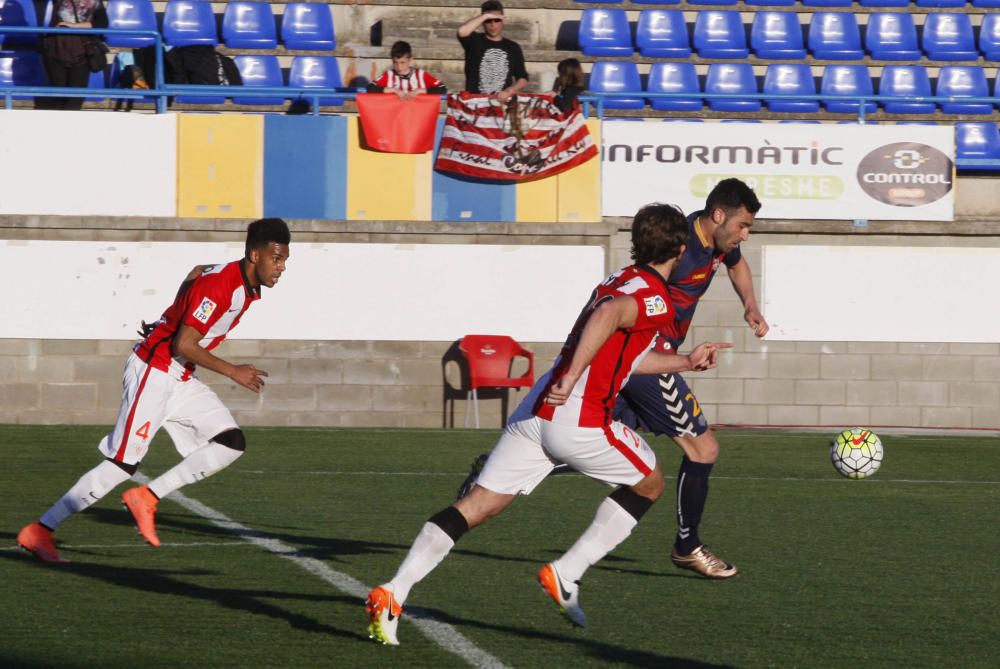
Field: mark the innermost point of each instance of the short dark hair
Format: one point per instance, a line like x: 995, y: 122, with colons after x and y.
x: 262, y: 232
x: 658, y: 233
x: 400, y: 49
x: 730, y: 194
x: 491, y: 6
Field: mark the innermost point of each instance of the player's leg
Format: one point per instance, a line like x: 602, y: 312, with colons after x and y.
x: 614, y: 454
x: 515, y: 466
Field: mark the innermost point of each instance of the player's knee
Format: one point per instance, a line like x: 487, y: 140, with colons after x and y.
x: 650, y: 488
x: 127, y: 468
x: 233, y: 439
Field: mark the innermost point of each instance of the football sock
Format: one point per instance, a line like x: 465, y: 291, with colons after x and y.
x: 204, y: 462
x: 692, y: 491
x: 91, y: 487
x: 429, y: 548
x: 611, y: 525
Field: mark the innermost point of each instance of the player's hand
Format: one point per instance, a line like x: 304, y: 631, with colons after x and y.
x: 756, y: 322
x: 559, y: 393
x: 706, y: 355
x: 146, y: 329
x: 249, y: 377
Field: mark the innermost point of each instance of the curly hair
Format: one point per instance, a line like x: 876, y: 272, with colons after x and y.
x: 658, y: 233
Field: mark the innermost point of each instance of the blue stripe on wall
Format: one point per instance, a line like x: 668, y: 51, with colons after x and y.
x: 305, y: 167
x: 463, y: 199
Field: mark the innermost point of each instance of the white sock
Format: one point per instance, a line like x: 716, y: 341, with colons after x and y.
x: 612, y: 524
x: 428, y: 549
x: 91, y: 487
x: 201, y: 464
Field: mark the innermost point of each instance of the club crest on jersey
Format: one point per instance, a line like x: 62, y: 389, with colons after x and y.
x: 204, y: 310
x: 655, y: 305
x: 715, y: 263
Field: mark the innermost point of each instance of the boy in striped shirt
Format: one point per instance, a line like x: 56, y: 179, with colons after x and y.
x: 403, y: 79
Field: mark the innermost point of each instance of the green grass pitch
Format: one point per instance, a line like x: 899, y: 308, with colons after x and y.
x: 901, y: 570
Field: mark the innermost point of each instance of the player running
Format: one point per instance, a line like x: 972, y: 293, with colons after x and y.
x: 567, y: 418
x: 161, y: 390
x: 664, y: 404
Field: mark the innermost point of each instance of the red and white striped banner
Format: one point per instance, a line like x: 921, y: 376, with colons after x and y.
x: 527, y: 138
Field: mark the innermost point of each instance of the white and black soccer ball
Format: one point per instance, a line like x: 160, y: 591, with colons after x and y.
x: 856, y: 453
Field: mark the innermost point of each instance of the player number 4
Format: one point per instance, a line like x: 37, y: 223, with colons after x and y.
x: 143, y: 431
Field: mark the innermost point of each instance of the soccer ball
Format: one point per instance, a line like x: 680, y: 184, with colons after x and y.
x: 856, y: 453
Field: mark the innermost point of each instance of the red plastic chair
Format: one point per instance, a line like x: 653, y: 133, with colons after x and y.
x: 489, y: 358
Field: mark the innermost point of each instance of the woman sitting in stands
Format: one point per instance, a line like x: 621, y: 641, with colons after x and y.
x: 569, y: 84
x: 65, y: 56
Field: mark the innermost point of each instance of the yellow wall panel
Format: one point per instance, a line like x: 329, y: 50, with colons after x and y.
x: 537, y: 201
x: 387, y: 186
x: 580, y: 188
x: 220, y: 165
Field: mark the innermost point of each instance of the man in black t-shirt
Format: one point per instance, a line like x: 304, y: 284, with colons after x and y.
x: 493, y: 64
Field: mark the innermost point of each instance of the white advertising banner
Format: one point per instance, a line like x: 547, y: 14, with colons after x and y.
x: 798, y: 170
x: 88, y: 163
x: 382, y: 292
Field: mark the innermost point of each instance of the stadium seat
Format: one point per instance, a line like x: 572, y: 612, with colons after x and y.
x: 22, y: 68
x: 316, y: 72
x: 826, y: 3
x: 941, y: 3
x: 948, y: 36
x: 674, y: 78
x: 489, y: 358
x: 908, y: 80
x: 977, y: 140
x: 605, y: 32
x: 777, y: 36
x: 846, y: 80
x: 187, y: 22
x: 261, y: 71
x: 884, y: 3
x: 96, y: 80
x: 892, y: 36
x: 18, y: 13
x: 131, y: 15
x: 308, y: 26
x: 789, y: 79
x: 967, y: 81
x: 732, y: 78
x: 662, y: 33
x: 617, y: 77
x: 720, y: 34
x: 988, y: 4
x: 249, y: 25
x: 989, y: 37
x: 835, y: 36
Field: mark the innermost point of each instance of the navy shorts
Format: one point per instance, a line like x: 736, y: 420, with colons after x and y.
x: 661, y: 404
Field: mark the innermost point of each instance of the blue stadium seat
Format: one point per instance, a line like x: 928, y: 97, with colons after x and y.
x: 605, y: 32
x: 187, y: 22
x: 790, y: 79
x: 316, y: 72
x: 249, y: 25
x: 96, y: 80
x: 884, y: 3
x: 977, y: 140
x: 835, y: 36
x: 131, y: 15
x: 674, y: 78
x: 845, y: 80
x: 909, y: 80
x: 777, y: 36
x: 989, y: 37
x: 720, y: 34
x: 892, y: 36
x: 22, y: 68
x: 941, y: 3
x: 617, y: 77
x: 262, y: 71
x: 732, y: 78
x: 308, y: 26
x: 948, y: 36
x: 826, y: 3
x: 662, y: 33
x: 963, y: 80
x: 16, y: 13
x: 989, y: 4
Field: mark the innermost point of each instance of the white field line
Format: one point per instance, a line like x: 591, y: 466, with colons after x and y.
x: 142, y: 545
x: 440, y: 633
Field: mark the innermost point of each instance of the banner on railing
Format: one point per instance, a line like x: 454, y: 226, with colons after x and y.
x: 528, y: 138
x: 394, y: 125
x: 799, y: 171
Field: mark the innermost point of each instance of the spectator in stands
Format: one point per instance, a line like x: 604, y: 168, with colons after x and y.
x: 493, y: 63
x: 65, y: 56
x: 568, y: 85
x: 403, y: 79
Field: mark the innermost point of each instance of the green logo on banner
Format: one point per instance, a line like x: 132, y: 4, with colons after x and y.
x: 776, y: 186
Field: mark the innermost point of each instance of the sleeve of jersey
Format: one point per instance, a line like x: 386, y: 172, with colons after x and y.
x: 732, y: 257
x: 382, y: 81
x: 655, y: 310
x: 208, y: 301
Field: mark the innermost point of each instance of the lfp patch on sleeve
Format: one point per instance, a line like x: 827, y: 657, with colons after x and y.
x: 207, y: 306
x: 655, y: 305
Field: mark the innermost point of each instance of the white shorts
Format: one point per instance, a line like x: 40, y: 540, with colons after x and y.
x: 189, y: 411
x: 529, y: 449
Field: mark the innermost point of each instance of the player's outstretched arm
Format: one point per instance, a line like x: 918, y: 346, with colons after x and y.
x: 742, y: 280
x: 185, y: 345
x: 704, y: 356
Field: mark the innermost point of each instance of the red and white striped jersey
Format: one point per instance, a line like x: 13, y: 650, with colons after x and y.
x: 212, y: 305
x: 417, y: 79
x: 592, y: 402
